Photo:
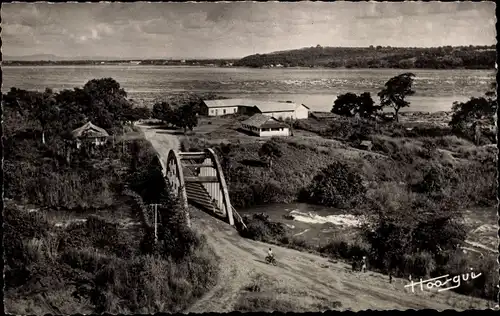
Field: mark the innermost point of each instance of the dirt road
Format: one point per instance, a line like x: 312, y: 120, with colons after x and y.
x: 305, y: 281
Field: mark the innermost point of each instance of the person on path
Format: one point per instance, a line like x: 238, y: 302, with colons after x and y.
x: 270, y: 253
x: 363, y: 267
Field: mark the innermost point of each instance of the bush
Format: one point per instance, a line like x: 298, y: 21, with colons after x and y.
x: 420, y: 264
x: 261, y: 228
x: 337, y: 185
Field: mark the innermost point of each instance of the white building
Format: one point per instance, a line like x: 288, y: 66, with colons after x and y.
x: 276, y: 109
x: 263, y: 125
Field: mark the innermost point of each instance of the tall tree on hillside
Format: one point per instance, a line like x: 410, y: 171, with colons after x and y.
x: 45, y: 111
x: 345, y: 104
x: 395, y: 92
x: 108, y: 102
x: 188, y: 116
x: 367, y: 107
x: 270, y: 150
x: 163, y: 111
x: 137, y: 113
x: 160, y: 109
x: 35, y: 106
x: 73, y: 109
x: 350, y: 104
x: 470, y: 116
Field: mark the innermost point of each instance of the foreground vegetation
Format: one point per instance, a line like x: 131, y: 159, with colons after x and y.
x: 78, y: 249
x: 447, y: 57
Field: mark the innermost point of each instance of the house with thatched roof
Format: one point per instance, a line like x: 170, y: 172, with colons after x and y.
x: 91, y: 134
x: 263, y: 125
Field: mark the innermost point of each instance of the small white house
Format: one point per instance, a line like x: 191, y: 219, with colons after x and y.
x: 263, y: 125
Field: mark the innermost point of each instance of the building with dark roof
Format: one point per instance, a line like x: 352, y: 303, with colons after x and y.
x: 263, y: 125
x: 90, y: 133
x: 276, y: 109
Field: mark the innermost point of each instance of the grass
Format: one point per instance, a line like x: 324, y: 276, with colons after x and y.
x: 95, y: 265
x: 266, y: 294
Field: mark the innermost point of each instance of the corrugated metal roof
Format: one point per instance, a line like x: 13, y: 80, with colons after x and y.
x: 89, y: 130
x: 224, y: 103
x: 261, y: 120
x: 263, y: 106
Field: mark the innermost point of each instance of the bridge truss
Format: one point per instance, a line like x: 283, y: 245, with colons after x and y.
x: 197, y: 178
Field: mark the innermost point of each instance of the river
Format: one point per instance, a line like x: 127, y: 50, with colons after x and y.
x: 436, y: 90
x: 320, y: 224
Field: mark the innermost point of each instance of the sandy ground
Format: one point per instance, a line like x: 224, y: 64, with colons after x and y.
x: 300, y: 278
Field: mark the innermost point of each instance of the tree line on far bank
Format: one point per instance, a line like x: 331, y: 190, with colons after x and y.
x: 447, y: 57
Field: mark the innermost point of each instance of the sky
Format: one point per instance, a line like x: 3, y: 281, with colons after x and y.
x: 234, y: 30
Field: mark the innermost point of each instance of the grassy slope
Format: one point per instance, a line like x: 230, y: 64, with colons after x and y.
x: 77, y: 277
x: 397, y: 162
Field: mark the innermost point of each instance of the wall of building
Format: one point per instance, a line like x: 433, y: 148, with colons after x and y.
x: 283, y: 131
x: 251, y: 129
x: 301, y: 112
x: 222, y: 111
x: 280, y: 115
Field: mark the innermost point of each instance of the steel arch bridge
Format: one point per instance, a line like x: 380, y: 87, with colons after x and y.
x: 197, y: 178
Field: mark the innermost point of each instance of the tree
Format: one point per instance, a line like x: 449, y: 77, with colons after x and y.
x: 403, y: 231
x: 137, y: 113
x: 469, y: 116
x: 159, y: 110
x: 108, y: 102
x: 395, y: 92
x: 345, y: 104
x: 350, y: 104
x: 45, y: 111
x: 366, y: 106
x: 270, y: 150
x: 187, y: 116
x: 337, y: 185
x: 35, y: 106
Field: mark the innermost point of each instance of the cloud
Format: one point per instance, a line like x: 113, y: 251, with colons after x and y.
x: 237, y: 29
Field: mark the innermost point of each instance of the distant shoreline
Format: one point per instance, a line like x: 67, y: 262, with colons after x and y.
x: 234, y: 67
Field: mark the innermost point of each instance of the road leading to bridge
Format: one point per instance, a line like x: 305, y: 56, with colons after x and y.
x: 300, y: 278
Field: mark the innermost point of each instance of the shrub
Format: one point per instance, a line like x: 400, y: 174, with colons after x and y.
x: 261, y: 228
x: 337, y: 185
x: 420, y: 264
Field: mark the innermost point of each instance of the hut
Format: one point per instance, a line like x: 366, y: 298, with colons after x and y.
x: 90, y: 134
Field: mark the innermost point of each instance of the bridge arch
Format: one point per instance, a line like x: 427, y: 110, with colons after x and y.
x: 197, y: 178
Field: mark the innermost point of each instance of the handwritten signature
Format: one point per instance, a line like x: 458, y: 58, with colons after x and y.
x: 436, y: 282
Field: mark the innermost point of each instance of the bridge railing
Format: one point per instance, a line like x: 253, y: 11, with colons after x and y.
x: 238, y: 218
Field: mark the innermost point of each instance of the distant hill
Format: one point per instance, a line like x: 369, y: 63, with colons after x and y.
x: 51, y: 57
x: 32, y: 57
x: 448, y: 57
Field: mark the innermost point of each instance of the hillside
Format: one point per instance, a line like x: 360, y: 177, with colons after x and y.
x: 301, y: 281
x: 468, y: 57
